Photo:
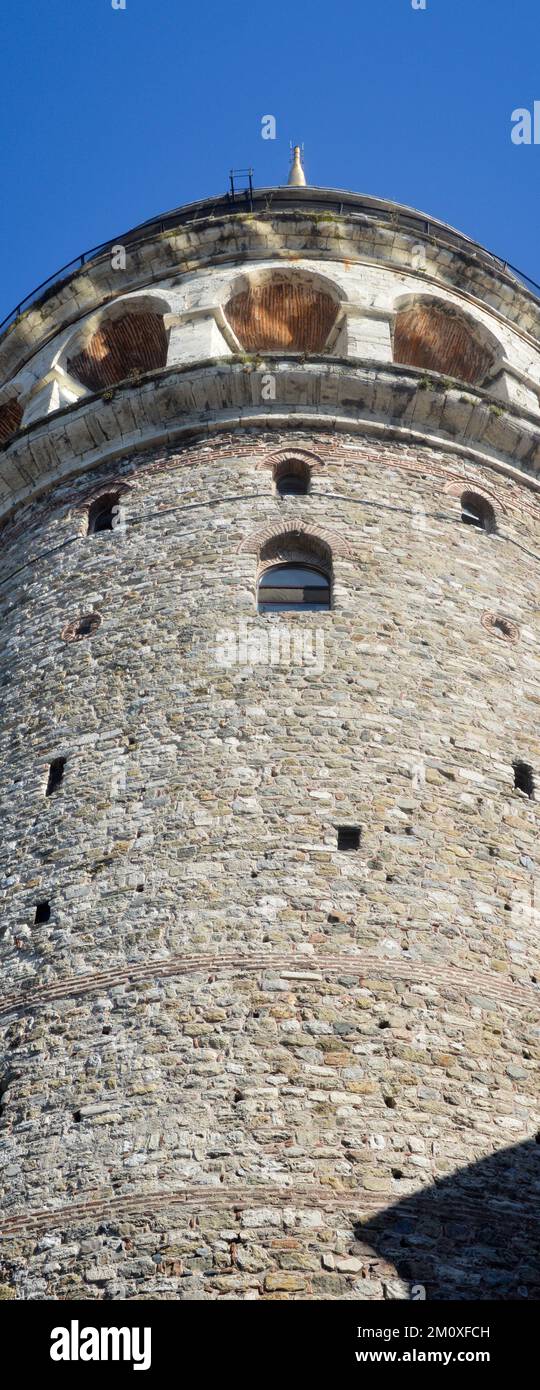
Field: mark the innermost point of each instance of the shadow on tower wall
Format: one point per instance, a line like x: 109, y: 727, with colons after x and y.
x: 474, y: 1235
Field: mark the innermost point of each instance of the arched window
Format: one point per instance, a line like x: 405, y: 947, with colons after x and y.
x: 435, y: 335
x: 476, y: 511
x: 120, y: 348
x: 103, y: 514
x: 293, y: 587
x: 292, y: 478
x: 282, y: 314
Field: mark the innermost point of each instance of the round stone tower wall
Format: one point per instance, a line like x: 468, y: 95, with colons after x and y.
x: 238, y: 1060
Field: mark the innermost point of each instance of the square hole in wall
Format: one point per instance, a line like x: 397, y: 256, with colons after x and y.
x: 348, y: 837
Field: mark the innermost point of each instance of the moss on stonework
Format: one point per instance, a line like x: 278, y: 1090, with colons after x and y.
x: 7, y: 1292
x: 250, y: 359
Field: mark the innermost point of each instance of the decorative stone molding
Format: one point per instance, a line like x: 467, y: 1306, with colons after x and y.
x: 323, y: 394
x: 197, y: 334
x: 509, y: 384
x: 279, y: 231
x: 55, y: 390
x: 368, y: 332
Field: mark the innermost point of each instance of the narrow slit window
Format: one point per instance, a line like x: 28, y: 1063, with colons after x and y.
x: 43, y: 913
x: 56, y: 774
x: 524, y: 778
x: 348, y: 837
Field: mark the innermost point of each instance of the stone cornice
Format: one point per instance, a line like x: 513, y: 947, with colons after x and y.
x: 383, y: 400
x: 321, y: 223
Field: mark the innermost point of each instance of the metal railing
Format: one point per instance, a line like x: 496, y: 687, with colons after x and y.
x: 264, y: 200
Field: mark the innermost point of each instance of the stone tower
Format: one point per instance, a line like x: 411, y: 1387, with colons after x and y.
x: 269, y: 747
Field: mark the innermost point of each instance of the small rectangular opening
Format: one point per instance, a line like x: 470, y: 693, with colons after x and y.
x: 43, y: 913
x: 56, y: 773
x: 523, y: 778
x: 348, y: 837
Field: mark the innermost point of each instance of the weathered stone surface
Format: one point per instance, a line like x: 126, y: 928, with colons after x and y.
x: 237, y: 1062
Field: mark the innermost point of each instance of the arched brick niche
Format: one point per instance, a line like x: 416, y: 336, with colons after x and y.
x: 10, y: 418
x: 121, y: 347
x: 274, y: 460
x: 291, y: 313
x: 291, y: 465
x: 266, y: 542
x: 295, y: 547
x: 293, y: 550
x: 429, y: 333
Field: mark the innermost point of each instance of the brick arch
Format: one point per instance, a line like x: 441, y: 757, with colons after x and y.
x: 335, y: 544
x: 99, y: 490
x: 456, y: 489
x: 281, y: 456
x: 453, y: 484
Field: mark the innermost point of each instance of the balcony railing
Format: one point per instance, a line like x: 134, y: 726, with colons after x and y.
x: 265, y: 200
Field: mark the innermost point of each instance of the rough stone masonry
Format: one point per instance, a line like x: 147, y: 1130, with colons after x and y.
x: 236, y: 1061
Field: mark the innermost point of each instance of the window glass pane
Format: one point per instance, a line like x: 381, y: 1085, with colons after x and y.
x: 293, y: 587
x: 290, y: 576
x: 294, y: 607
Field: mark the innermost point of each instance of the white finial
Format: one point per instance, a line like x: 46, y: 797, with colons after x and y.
x: 297, y: 176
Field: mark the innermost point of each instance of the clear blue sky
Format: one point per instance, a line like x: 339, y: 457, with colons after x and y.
x: 112, y: 116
